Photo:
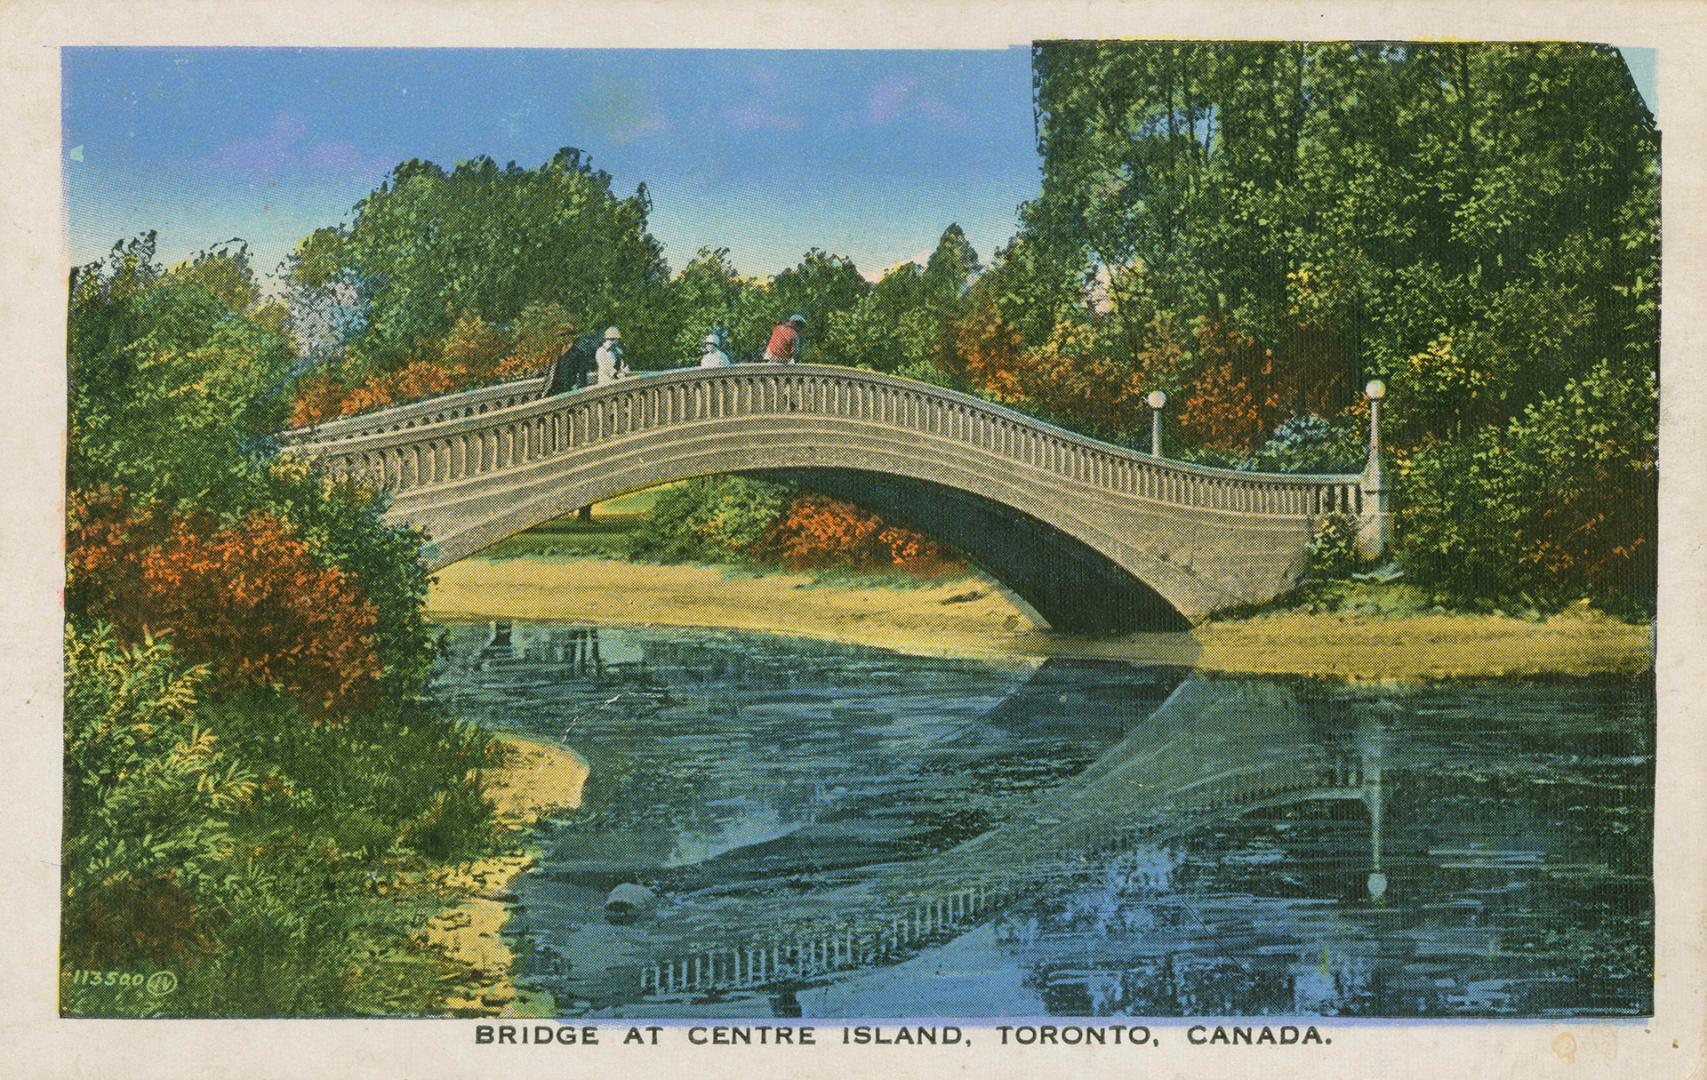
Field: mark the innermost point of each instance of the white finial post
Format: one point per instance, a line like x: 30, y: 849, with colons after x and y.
x: 1375, y: 527
x: 1157, y: 401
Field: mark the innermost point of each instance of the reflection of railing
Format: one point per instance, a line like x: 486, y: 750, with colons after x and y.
x: 801, y: 961
x: 1197, y: 766
x: 501, y: 429
x: 932, y: 920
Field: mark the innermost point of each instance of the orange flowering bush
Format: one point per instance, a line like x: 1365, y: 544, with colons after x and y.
x: 819, y: 531
x: 247, y: 599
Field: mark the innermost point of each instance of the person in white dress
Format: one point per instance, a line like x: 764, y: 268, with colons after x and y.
x: 609, y: 360
x: 711, y: 354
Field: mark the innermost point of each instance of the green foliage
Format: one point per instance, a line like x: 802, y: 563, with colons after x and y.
x: 1458, y: 527
x: 222, y: 270
x: 1557, y: 504
x: 171, y: 386
x: 1332, y: 552
x: 431, y: 243
x: 709, y: 519
x: 1477, y: 224
x: 344, y: 528
x: 1311, y: 444
x: 216, y: 830
x: 708, y: 293
x: 930, y: 371
x: 1350, y: 204
x: 236, y: 843
x: 824, y: 288
x: 907, y: 319
x: 149, y: 795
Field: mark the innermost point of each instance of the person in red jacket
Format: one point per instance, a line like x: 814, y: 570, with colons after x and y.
x: 784, y: 347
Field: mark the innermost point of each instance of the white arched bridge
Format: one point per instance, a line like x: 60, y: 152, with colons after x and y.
x: 1092, y: 536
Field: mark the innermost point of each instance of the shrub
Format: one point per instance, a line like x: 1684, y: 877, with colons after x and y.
x: 1557, y: 504
x: 1332, y: 551
x: 1312, y: 444
x: 247, y: 599
x: 149, y: 795
x: 822, y: 532
x: 714, y: 518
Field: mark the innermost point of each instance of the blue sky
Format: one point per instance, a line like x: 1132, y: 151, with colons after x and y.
x: 869, y: 154
x: 767, y: 153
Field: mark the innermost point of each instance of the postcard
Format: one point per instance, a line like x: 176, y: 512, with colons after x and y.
x: 838, y: 544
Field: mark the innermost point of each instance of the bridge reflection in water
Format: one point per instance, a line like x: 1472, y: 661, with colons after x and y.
x: 1214, y: 749
x: 829, y: 829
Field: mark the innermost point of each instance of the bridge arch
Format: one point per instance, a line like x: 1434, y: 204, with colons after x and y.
x: 1093, y: 536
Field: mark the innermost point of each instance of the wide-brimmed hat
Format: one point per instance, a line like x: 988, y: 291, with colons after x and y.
x: 613, y: 334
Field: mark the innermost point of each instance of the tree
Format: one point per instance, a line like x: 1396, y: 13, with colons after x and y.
x: 952, y: 265
x: 432, y: 245
x: 1476, y: 224
x: 906, y: 320
x: 708, y: 293
x: 825, y: 288
x: 171, y: 386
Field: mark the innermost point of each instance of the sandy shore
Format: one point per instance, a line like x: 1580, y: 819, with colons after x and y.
x: 973, y: 618
x: 531, y: 781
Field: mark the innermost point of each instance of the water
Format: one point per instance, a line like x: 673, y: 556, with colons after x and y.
x: 831, y: 831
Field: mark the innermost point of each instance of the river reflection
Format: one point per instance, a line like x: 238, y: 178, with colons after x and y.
x: 812, y: 829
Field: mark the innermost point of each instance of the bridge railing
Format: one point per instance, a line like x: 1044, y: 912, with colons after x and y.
x: 474, y: 435
x: 416, y: 414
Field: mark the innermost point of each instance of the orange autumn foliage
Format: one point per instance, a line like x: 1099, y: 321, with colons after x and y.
x: 989, y: 350
x: 247, y: 599
x: 474, y: 353
x: 1066, y: 378
x: 819, y: 531
x: 1231, y: 404
x: 320, y: 397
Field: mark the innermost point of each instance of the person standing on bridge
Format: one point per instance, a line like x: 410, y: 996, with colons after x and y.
x: 784, y: 346
x: 711, y: 354
x: 574, y: 368
x: 609, y: 358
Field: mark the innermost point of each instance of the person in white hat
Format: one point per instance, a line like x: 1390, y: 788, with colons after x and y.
x: 711, y: 354
x: 609, y: 358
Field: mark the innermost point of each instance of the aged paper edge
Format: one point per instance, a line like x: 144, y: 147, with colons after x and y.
x: 33, y: 252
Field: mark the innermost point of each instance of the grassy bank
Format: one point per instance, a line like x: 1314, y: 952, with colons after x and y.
x: 607, y: 536
x: 1379, y: 635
